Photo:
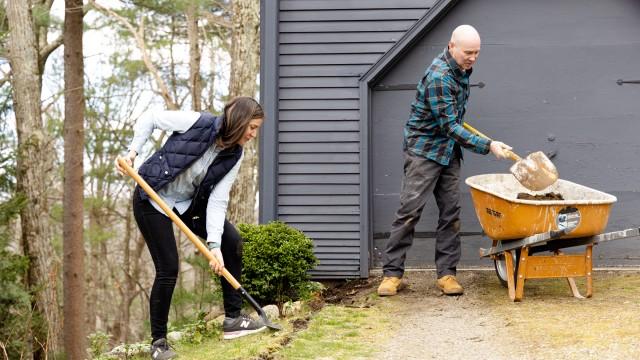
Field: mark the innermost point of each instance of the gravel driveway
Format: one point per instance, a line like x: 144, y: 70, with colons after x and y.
x: 485, y: 324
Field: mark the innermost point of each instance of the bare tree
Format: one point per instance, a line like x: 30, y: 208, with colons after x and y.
x: 195, y: 80
x: 73, y: 241
x: 245, y: 63
x: 33, y: 168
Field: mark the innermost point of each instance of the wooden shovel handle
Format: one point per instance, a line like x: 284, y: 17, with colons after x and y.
x: 510, y: 154
x: 185, y: 229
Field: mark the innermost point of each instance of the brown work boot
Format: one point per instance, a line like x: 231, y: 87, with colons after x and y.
x: 449, y: 285
x: 390, y: 286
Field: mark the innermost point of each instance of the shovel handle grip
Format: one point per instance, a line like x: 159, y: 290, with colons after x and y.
x: 510, y: 154
x: 185, y: 229
x: 474, y: 131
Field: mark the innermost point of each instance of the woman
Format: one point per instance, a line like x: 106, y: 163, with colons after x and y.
x: 193, y: 173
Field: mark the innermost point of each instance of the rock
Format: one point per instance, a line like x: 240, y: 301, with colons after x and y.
x: 291, y: 308
x: 175, y: 336
x: 214, y: 312
x: 272, y: 312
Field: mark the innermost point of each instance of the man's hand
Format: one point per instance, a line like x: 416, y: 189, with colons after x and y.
x: 128, y: 158
x: 498, y: 149
x: 218, y: 265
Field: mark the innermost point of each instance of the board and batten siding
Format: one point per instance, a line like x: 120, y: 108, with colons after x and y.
x: 324, y: 47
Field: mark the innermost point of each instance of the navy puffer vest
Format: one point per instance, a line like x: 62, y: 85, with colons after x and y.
x: 178, y: 153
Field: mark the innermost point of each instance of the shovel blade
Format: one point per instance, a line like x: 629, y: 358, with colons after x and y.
x: 258, y: 309
x: 535, y: 172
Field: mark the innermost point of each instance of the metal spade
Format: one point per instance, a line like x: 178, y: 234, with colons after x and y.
x: 535, y: 172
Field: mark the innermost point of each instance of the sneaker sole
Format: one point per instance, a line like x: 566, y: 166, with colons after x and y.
x: 164, y: 356
x: 236, y: 334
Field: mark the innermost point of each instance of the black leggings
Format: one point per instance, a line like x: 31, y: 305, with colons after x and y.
x: 157, y: 231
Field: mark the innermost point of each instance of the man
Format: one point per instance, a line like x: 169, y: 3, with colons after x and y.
x: 432, y: 139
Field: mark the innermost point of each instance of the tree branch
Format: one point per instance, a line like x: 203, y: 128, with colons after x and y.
x: 6, y: 76
x: 218, y: 20
x: 46, y: 50
x: 138, y: 35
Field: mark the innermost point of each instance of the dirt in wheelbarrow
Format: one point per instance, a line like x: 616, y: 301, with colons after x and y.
x: 484, y: 324
x: 540, y: 197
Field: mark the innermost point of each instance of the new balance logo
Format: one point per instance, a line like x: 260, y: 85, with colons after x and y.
x: 245, y: 324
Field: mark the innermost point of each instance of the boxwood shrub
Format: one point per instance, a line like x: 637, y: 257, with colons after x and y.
x: 276, y: 260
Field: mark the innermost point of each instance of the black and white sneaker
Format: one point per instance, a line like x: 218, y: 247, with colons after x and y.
x: 241, y: 326
x: 160, y: 350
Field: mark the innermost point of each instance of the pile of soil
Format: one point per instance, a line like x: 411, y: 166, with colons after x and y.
x: 346, y: 292
x: 543, y: 197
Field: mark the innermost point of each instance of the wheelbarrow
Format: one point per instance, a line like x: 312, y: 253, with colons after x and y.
x: 520, y: 228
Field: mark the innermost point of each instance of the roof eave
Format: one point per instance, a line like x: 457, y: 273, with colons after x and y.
x: 408, y: 40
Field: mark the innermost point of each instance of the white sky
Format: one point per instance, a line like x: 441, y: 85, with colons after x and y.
x: 100, y: 44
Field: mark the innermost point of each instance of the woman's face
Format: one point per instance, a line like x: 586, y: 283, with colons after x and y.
x: 251, y: 131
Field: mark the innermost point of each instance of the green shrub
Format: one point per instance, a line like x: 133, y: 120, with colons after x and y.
x: 14, y: 304
x: 98, y: 343
x: 197, y: 331
x: 276, y: 260
x: 15, y: 299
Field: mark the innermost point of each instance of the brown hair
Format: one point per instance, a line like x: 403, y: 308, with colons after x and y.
x: 237, y: 115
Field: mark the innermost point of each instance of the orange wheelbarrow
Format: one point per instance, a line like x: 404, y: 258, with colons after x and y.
x: 520, y: 228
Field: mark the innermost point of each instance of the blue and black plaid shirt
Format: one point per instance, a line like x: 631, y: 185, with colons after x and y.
x: 434, y: 126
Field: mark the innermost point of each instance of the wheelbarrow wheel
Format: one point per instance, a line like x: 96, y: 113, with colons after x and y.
x: 500, y: 265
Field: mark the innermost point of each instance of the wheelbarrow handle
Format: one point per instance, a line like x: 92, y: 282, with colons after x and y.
x: 510, y: 154
x: 185, y: 229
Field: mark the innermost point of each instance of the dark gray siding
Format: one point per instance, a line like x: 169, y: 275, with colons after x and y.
x: 325, y: 46
x: 550, y: 70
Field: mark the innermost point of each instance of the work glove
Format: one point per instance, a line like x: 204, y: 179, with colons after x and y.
x: 499, y: 148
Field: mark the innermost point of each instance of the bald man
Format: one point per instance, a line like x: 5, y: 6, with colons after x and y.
x: 433, y: 136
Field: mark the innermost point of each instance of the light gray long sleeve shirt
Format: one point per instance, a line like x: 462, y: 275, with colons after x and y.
x: 179, y: 193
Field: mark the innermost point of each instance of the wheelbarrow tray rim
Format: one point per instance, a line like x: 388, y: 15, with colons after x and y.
x: 506, y: 187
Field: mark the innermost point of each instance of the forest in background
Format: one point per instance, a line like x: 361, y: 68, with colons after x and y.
x: 67, y: 110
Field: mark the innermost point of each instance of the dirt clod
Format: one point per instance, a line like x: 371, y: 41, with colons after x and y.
x: 316, y: 304
x: 300, y: 324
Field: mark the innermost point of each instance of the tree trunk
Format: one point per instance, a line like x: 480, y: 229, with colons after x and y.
x: 72, y: 232
x: 194, y: 56
x: 92, y: 279
x: 245, y: 63
x: 33, y: 168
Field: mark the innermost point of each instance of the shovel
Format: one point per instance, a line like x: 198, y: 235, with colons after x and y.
x: 535, y: 172
x: 196, y: 241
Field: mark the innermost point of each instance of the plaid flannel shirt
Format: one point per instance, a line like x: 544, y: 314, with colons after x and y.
x: 435, y: 124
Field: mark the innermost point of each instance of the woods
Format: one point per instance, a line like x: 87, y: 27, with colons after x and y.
x: 73, y: 262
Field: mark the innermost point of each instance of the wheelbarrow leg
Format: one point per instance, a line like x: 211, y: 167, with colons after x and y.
x: 508, y: 258
x: 587, y: 272
x: 522, y: 274
x: 571, y: 281
x: 589, y: 266
x: 574, y: 288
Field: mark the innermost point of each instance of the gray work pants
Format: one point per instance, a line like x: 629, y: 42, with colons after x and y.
x: 421, y: 177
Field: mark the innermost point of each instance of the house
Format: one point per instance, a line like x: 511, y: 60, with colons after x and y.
x: 337, y: 78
